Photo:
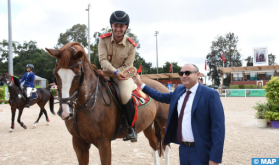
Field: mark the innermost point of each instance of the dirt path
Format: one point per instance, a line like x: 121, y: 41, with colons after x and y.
x: 52, y: 144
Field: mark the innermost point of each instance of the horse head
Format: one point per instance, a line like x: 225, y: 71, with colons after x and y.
x: 8, y: 79
x: 69, y: 74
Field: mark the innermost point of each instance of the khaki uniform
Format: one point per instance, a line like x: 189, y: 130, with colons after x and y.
x: 117, y: 57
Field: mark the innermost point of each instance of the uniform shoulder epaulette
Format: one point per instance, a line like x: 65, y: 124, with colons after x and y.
x: 133, y: 42
x: 105, y: 35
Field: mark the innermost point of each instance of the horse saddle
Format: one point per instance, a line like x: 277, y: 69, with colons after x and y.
x: 34, y: 93
x: 140, y: 100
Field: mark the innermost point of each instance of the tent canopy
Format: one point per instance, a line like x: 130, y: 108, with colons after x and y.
x: 163, y: 76
x: 248, y: 68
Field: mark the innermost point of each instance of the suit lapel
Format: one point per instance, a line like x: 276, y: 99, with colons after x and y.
x: 196, y: 99
x: 174, y: 103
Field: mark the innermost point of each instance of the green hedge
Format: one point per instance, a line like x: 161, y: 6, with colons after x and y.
x: 249, y: 86
x: 234, y: 87
x: 2, y: 92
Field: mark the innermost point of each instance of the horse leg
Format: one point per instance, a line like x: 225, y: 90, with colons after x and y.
x: 104, y: 146
x: 153, y: 142
x: 82, y: 150
x: 18, y: 119
x: 167, y: 155
x: 13, y: 119
x: 47, y: 119
x: 162, y: 126
x: 37, y: 121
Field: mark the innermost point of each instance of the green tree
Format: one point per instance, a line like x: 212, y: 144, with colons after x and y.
x: 77, y: 33
x: 249, y: 60
x: 228, y: 44
x: 27, y: 53
x: 271, y: 59
x: 175, y: 67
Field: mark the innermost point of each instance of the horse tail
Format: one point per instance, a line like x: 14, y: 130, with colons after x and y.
x: 158, y: 134
x: 51, y: 103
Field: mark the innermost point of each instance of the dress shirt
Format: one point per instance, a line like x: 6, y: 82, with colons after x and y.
x: 187, y: 133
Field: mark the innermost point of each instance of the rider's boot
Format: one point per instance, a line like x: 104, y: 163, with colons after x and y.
x: 130, y: 113
x: 27, y: 103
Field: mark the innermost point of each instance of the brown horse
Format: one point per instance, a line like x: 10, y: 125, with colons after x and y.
x: 88, y: 116
x: 17, y: 102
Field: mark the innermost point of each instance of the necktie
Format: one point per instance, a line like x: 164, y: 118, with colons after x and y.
x: 179, y: 127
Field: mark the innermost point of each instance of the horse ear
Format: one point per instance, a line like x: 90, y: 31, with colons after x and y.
x: 53, y: 52
x: 78, y: 54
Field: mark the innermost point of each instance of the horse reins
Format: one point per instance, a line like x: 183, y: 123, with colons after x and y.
x: 74, y: 101
x: 76, y: 93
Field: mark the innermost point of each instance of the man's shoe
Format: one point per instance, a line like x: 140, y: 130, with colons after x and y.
x: 132, y: 134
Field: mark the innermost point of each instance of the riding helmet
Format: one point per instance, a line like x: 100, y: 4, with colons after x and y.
x: 120, y: 17
x: 30, y: 66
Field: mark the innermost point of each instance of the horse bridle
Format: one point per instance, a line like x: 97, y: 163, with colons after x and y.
x: 76, y: 93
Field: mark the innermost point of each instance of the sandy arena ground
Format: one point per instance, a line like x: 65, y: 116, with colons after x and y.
x: 52, y: 144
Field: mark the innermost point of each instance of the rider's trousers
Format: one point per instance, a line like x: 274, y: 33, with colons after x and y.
x: 125, y: 88
x: 28, y: 91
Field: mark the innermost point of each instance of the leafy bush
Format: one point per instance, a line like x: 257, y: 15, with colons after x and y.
x: 272, y: 90
x: 250, y: 86
x: 241, y: 86
x: 53, y: 92
x: 261, y: 108
x: 2, y: 93
x: 234, y: 87
x: 272, y: 95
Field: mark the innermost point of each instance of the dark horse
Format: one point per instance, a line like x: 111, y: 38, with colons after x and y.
x: 17, y: 102
x: 90, y: 116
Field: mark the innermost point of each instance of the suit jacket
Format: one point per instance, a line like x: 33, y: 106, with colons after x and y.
x: 207, y: 119
x: 28, y: 79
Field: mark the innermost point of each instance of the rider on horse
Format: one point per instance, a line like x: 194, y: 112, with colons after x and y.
x: 28, y: 79
x: 117, y: 53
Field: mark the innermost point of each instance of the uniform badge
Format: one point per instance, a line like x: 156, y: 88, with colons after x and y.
x: 133, y: 42
x: 109, y: 57
x: 105, y: 35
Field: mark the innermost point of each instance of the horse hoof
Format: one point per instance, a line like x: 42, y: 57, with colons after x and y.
x: 47, y: 124
x: 11, y: 130
x: 25, y: 127
x: 34, y: 126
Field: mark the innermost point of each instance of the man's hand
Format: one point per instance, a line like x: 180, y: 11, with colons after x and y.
x: 137, y: 79
x: 101, y: 73
x: 120, y: 76
x: 213, y: 163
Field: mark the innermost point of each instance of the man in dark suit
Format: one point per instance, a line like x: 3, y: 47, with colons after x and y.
x: 196, y: 118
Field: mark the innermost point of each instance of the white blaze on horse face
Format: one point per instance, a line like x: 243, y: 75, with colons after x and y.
x: 66, y: 76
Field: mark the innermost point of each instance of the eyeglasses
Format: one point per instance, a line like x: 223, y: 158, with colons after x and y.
x: 187, y: 73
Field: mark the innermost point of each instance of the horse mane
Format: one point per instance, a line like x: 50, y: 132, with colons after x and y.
x: 16, y: 80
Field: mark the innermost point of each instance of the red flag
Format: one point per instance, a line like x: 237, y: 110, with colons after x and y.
x: 223, y: 57
x: 170, y: 67
x: 205, y: 65
x: 140, y: 68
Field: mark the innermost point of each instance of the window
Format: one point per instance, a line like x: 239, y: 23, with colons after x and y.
x: 268, y: 75
x: 253, y: 76
x: 237, y: 77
